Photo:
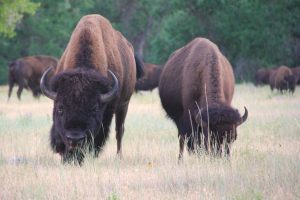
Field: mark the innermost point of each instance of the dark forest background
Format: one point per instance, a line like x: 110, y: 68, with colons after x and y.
x: 250, y: 33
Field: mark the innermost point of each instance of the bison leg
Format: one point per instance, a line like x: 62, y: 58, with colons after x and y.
x: 11, y: 85
x: 207, y: 141
x: 185, y: 130
x: 227, y: 150
x: 22, y: 84
x: 120, y: 118
x: 36, y: 92
x: 19, y: 92
x: 181, y: 147
x: 102, y: 135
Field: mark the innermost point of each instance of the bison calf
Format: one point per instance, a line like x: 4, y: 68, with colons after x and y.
x: 196, y: 88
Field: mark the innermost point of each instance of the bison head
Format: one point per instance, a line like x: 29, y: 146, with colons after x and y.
x: 290, y: 83
x: 221, y: 122
x: 80, y: 99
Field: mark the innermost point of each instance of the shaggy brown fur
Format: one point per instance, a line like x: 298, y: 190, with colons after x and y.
x: 199, y: 75
x: 150, y: 79
x: 296, y: 71
x: 27, y: 72
x: 94, y: 48
x: 283, y: 79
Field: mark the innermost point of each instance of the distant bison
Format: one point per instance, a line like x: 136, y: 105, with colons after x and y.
x: 296, y: 72
x: 94, y: 80
x: 262, y: 76
x: 150, y: 79
x: 283, y: 79
x: 27, y: 72
x: 196, y: 88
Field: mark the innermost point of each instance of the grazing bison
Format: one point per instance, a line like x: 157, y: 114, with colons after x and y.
x: 196, y: 88
x: 283, y: 79
x: 262, y: 75
x: 94, y: 80
x: 296, y: 71
x: 150, y: 79
x: 27, y: 72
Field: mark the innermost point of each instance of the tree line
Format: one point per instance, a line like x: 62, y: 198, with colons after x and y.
x: 250, y: 33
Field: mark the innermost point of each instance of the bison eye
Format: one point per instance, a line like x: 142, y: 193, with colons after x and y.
x: 60, y: 110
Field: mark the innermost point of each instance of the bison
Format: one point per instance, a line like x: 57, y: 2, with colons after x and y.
x: 296, y: 71
x: 262, y: 76
x: 27, y: 72
x: 150, y: 79
x: 283, y: 79
x: 94, y: 80
x: 196, y: 88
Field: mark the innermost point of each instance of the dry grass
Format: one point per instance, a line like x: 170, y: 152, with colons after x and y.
x: 265, y: 161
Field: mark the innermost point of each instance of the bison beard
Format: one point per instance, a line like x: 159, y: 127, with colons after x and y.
x: 81, y: 119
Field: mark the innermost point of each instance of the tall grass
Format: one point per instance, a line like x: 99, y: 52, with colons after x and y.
x: 265, y: 162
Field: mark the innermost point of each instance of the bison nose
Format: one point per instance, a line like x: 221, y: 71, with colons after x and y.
x: 75, y: 137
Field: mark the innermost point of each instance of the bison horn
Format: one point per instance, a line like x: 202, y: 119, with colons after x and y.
x: 43, y: 85
x: 113, y: 92
x: 243, y: 118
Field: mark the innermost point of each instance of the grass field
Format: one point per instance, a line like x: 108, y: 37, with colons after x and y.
x: 265, y: 162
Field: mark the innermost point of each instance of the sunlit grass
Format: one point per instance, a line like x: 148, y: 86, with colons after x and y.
x: 265, y: 162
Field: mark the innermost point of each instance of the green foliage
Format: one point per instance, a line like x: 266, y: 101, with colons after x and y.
x: 12, y: 12
x: 250, y: 33
x: 251, y: 195
x: 113, y: 196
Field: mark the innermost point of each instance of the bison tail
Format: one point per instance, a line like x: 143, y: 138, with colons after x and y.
x: 139, y: 67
